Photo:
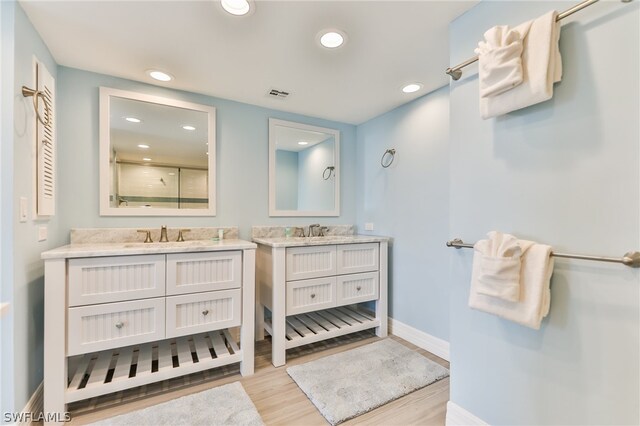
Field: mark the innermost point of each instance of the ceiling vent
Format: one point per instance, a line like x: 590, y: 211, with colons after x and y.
x: 281, y: 94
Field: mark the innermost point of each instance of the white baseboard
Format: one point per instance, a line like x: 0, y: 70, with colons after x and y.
x: 419, y: 338
x: 35, y: 403
x: 458, y: 416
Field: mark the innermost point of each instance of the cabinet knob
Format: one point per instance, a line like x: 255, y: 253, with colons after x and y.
x: 119, y: 324
x: 205, y: 312
x: 358, y: 288
x: 313, y: 295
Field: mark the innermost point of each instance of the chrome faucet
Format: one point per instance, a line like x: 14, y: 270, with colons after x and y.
x: 163, y: 234
x: 311, y: 228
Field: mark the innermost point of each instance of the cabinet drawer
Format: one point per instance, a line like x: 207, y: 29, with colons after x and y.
x: 357, y: 288
x: 310, y: 262
x: 112, y: 325
x: 194, y: 313
x: 310, y: 295
x: 354, y: 258
x: 197, y: 272
x: 113, y: 279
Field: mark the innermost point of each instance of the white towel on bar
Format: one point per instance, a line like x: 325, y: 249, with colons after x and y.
x: 500, y: 264
x: 500, y: 62
x: 541, y: 67
x: 535, y: 295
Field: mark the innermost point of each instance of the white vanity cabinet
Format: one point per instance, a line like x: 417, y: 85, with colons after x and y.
x: 312, y: 289
x: 117, y: 317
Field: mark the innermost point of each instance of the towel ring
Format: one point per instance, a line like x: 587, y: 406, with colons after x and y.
x: 26, y: 92
x: 392, y: 153
x: 330, y: 169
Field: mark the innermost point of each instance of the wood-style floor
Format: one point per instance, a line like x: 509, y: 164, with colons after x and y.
x: 276, y: 396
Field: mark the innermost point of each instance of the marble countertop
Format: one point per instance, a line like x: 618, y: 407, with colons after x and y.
x: 319, y: 241
x: 123, y: 249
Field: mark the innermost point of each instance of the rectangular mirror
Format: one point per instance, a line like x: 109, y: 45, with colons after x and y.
x: 157, y: 156
x: 304, y: 170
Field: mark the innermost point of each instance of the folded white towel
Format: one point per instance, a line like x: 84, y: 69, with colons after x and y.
x: 541, y: 65
x: 500, y: 265
x: 500, y: 65
x: 535, y: 294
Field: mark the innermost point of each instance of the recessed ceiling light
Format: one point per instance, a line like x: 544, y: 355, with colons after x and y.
x: 132, y: 119
x: 159, y: 75
x: 146, y: 159
x: 303, y: 143
x: 143, y: 146
x: 172, y: 174
x: 332, y: 38
x: 413, y: 87
x: 188, y: 127
x: 236, y: 7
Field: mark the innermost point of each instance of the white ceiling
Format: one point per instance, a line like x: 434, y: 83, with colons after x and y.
x: 161, y: 129
x: 389, y: 44
x: 287, y: 138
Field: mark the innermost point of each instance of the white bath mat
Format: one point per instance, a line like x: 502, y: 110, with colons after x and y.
x: 351, y: 383
x: 224, y: 405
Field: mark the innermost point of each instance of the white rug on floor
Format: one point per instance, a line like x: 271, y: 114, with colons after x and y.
x: 351, y: 383
x: 224, y: 405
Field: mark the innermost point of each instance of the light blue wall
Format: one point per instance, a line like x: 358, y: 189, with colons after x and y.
x: 314, y: 192
x: 286, y: 180
x: 409, y: 202
x: 22, y: 270
x: 242, y: 157
x: 7, y: 21
x: 566, y: 173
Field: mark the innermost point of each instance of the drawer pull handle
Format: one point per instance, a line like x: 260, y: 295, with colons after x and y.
x: 205, y: 312
x: 358, y: 288
x: 119, y: 325
x: 313, y: 295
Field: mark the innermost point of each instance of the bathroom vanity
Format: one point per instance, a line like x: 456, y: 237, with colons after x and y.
x: 120, y: 315
x: 314, y: 289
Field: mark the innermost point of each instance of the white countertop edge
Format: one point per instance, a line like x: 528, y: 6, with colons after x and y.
x: 125, y: 249
x: 300, y: 242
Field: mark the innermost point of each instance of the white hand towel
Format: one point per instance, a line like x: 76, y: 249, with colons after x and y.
x: 541, y: 64
x: 500, y: 65
x: 535, y: 294
x: 500, y: 266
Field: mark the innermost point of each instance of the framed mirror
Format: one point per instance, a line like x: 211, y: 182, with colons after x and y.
x: 157, y: 156
x: 304, y: 170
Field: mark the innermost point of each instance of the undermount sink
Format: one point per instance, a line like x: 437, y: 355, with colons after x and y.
x: 194, y: 243
x: 327, y: 238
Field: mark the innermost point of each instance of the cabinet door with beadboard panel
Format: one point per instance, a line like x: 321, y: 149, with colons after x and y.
x: 97, y: 280
x: 111, y: 325
x: 195, y: 313
x: 310, y: 262
x: 198, y: 272
x: 355, y: 258
x: 311, y: 295
x: 356, y: 288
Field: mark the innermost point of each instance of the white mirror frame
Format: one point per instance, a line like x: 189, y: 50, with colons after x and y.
x: 273, y: 212
x: 105, y: 142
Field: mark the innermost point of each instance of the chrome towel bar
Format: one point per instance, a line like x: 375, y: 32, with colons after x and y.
x: 456, y: 72
x: 631, y: 259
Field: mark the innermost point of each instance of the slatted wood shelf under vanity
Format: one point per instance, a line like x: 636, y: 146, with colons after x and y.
x: 315, y: 326
x: 118, y: 369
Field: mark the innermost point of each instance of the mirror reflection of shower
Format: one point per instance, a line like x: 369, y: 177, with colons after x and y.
x: 158, y: 186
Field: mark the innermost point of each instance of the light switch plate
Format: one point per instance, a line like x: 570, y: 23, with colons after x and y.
x: 23, y: 209
x: 368, y: 226
x: 42, y: 233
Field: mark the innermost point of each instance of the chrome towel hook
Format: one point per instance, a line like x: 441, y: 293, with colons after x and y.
x: 26, y: 92
x: 330, y: 169
x: 392, y: 153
